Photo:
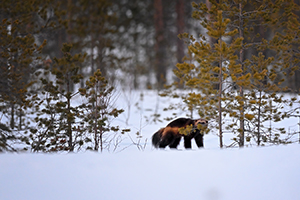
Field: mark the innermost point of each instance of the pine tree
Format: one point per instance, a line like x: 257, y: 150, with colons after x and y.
x: 216, y: 64
x: 56, y: 123
x: 99, y: 111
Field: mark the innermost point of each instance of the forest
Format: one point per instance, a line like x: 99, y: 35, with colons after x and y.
x: 235, y: 63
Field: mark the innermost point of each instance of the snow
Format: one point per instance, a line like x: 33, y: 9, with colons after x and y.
x: 128, y: 173
x: 250, y: 173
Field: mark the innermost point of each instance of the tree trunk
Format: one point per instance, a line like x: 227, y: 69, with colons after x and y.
x: 220, y: 97
x: 242, y: 109
x: 69, y: 117
x: 12, y: 116
x: 180, y: 29
x: 160, y: 66
x: 69, y: 129
x: 96, y: 120
x: 258, y: 119
x: 69, y: 36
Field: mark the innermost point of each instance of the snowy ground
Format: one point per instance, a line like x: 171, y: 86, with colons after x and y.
x: 267, y: 173
x: 258, y: 173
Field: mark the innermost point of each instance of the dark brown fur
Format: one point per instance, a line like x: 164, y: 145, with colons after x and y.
x: 170, y: 136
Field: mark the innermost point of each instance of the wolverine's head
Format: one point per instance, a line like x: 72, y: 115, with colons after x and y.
x: 201, y: 122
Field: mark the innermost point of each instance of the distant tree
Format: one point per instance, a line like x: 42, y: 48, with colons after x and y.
x: 134, y: 39
x: 137, y: 39
x: 286, y: 42
x: 95, y: 22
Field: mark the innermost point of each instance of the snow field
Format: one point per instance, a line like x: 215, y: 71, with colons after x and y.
x: 250, y: 173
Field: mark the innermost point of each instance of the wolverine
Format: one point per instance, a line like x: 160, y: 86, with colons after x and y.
x: 170, y: 136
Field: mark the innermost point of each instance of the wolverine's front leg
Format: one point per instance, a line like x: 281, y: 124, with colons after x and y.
x: 199, y: 139
x: 187, y: 142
